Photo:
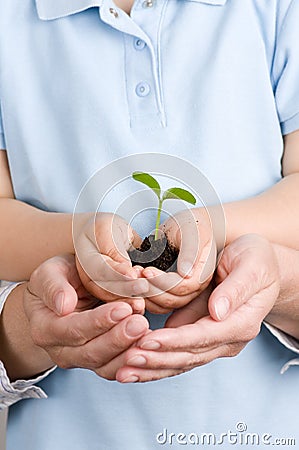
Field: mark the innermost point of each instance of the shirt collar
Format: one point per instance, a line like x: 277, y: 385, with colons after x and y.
x: 55, y: 9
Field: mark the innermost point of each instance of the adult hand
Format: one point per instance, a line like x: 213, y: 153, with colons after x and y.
x: 220, y: 326
x: 189, y: 231
x: 103, y: 263
x: 61, y: 322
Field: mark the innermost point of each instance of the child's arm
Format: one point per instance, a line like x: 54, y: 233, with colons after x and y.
x: 28, y: 236
x: 274, y: 213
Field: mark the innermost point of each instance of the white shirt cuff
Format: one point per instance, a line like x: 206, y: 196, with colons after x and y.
x: 289, y: 342
x: 12, y: 392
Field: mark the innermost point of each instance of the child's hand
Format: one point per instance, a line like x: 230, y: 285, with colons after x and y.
x: 103, y: 263
x: 191, y: 232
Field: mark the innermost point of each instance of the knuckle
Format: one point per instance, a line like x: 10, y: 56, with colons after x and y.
x: 117, y: 343
x: 103, y: 372
x: 184, y: 289
x: 58, y: 357
x: 90, y: 359
x: 37, y: 336
x: 233, y: 350
x: 63, y: 364
x: 76, y: 335
x: 199, y: 360
x: 193, y: 361
x: 101, y: 323
x: 113, y: 253
x: 167, y: 302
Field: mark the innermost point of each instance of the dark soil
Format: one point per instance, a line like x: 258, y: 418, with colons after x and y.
x: 160, y: 254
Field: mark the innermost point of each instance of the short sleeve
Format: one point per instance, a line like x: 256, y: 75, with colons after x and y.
x: 285, y: 70
x: 2, y: 139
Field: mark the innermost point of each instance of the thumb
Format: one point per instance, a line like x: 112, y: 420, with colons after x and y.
x: 114, y: 237
x: 53, y: 284
x: 182, y: 232
x: 236, y: 289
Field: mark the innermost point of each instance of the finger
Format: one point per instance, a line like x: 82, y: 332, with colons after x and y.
x: 98, y: 267
x: 76, y: 328
x: 246, y: 280
x: 172, y: 283
x: 99, y: 351
x: 156, y: 309
x: 206, y: 334
x: 108, y: 371
x: 110, y: 291
x: 167, y: 364
x: 128, y: 288
x: 182, y: 231
x: 129, y: 375
x: 191, y: 312
x: 160, y: 304
x: 55, y: 282
x: 108, y: 283
x: 178, y: 360
x: 101, y: 267
x: 192, y: 233
x: 116, y: 237
x: 112, y: 236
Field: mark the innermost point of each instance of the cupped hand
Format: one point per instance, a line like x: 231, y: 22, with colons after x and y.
x: 212, y: 326
x: 189, y: 231
x: 103, y: 263
x: 61, y: 322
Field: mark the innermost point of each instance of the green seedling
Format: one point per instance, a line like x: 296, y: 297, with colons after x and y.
x: 172, y: 193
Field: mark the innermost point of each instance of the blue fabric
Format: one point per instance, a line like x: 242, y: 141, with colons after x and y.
x: 223, y: 88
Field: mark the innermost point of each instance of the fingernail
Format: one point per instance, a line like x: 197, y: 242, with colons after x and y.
x: 221, y: 307
x: 58, y: 302
x: 137, y: 360
x: 138, y: 270
x: 186, y: 268
x: 131, y: 379
x: 150, y: 345
x: 135, y: 328
x: 118, y: 314
x: 148, y: 273
x: 138, y: 306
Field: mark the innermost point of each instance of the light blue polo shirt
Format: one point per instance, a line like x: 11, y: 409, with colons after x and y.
x: 213, y: 81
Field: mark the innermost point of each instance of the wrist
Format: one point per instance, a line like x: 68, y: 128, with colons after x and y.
x: 21, y: 357
x: 285, y: 312
x: 213, y: 217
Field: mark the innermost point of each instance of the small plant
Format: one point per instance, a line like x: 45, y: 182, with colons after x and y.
x: 172, y: 193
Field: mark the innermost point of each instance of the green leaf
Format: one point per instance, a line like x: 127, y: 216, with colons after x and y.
x: 179, y: 193
x: 149, y: 181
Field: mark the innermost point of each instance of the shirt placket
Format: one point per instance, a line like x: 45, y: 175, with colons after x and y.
x: 142, y: 67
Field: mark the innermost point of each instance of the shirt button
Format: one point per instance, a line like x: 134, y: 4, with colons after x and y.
x: 113, y: 12
x: 148, y: 4
x: 139, y: 44
x: 142, y: 89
